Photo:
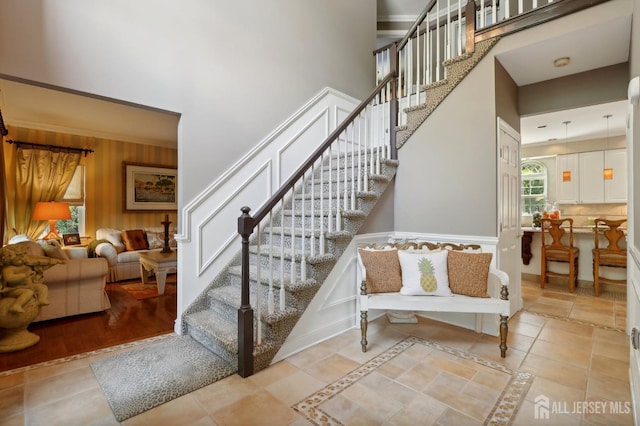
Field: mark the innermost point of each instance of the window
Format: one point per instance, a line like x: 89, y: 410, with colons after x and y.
x: 75, y: 197
x: 534, y: 186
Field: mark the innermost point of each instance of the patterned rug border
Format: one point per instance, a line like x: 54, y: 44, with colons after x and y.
x: 574, y: 321
x: 503, y: 412
x: 83, y: 355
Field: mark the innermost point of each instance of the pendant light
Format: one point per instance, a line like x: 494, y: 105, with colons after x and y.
x: 607, y: 172
x: 566, y: 174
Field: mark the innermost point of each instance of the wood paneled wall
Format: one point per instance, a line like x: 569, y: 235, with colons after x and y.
x: 104, y: 185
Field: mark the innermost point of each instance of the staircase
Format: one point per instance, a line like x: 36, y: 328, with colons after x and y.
x: 212, y: 320
x: 290, y: 244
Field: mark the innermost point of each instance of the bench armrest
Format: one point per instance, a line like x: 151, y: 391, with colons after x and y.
x: 496, y: 280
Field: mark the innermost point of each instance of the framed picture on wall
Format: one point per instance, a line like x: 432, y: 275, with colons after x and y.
x: 149, y: 187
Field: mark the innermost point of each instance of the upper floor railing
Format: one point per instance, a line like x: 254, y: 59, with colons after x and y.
x: 443, y: 32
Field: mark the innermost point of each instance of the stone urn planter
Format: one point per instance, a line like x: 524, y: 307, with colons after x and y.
x: 22, y: 293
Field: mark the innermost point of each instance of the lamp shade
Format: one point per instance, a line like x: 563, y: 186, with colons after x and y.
x: 51, y: 210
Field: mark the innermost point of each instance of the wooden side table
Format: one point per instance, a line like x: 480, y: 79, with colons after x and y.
x: 160, y: 264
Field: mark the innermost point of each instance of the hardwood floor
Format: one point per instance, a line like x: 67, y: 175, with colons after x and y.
x: 128, y: 320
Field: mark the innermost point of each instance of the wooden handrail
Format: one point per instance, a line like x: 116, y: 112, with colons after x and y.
x: 275, y: 198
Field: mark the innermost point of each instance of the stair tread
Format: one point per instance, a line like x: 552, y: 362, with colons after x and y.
x: 231, y: 296
x: 265, y: 249
x: 222, y: 330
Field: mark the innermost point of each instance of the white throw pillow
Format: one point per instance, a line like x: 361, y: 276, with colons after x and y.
x: 415, y: 279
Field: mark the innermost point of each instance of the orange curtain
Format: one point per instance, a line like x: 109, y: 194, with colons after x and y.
x: 38, y: 175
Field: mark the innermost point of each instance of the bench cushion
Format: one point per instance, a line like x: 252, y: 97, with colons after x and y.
x: 468, y: 273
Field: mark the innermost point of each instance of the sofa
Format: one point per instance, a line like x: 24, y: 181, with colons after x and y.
x: 76, y: 286
x: 122, y: 248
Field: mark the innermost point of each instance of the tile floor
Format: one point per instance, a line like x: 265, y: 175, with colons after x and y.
x: 569, y: 343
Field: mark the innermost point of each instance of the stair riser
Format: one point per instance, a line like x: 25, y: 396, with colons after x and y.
x: 297, y: 221
x: 279, y: 265
x: 327, y: 204
x: 213, y: 344
x: 273, y: 331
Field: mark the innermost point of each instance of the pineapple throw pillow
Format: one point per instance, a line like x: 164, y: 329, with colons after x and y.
x: 424, y: 274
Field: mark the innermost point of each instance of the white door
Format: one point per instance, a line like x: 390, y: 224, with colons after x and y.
x: 509, y: 231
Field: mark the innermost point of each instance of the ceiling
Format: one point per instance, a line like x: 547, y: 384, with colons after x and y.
x: 27, y: 105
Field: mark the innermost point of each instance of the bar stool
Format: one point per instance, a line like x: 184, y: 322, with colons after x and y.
x: 556, y: 251
x: 612, y: 256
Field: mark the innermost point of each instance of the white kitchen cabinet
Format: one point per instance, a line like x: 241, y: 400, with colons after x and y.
x: 615, y: 189
x: 588, y: 184
x: 591, y: 179
x: 568, y: 189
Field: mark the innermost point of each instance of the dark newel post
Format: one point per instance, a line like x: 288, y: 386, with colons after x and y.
x: 245, y: 313
x: 393, y: 113
x: 470, y: 16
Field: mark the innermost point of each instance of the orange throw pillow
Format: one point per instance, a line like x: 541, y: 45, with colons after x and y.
x: 135, y: 239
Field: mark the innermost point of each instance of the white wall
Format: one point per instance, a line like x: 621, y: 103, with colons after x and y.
x: 234, y: 69
x: 446, y: 182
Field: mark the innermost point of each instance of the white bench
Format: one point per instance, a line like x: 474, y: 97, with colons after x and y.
x: 497, y: 303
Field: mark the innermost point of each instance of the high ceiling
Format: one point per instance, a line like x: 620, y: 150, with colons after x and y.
x: 32, y: 106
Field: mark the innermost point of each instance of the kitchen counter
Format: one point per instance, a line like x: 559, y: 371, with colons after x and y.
x: 583, y: 238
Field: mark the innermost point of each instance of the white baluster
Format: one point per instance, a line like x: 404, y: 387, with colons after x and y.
x: 346, y: 169
x: 330, y: 221
x: 507, y: 12
x: 437, y: 47
x: 427, y: 55
x: 353, y: 166
x: 282, y: 227
x: 312, y: 237
x: 409, y: 71
x: 258, y: 287
x: 360, y: 121
x: 367, y: 133
x: 460, y: 28
x: 418, y: 66
x: 338, y: 213
x: 303, y: 237
x: 448, y: 28
x: 520, y: 7
x: 271, y: 298
x: 292, y: 273
x: 321, y: 197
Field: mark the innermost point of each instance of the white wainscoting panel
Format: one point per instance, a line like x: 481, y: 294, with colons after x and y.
x: 208, y: 238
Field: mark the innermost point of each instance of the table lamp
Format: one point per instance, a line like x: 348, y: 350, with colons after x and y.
x: 51, y: 211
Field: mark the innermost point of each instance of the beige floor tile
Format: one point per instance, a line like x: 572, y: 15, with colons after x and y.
x: 612, y: 350
x: 571, y: 327
x: 258, y: 408
x: 184, y: 410
x: 224, y: 392
x: 612, y: 336
x: 47, y: 389
x: 331, y: 368
x: 294, y: 387
x: 419, y: 376
x: 422, y: 410
x: 603, y: 386
x: 554, y: 391
x: 11, y: 380
x: 568, y: 353
x: 524, y: 328
x: 377, y: 404
x: 12, y: 401
x: 275, y: 372
x: 17, y: 420
x: 85, y: 408
x: 526, y: 417
x: 560, y: 372
x: 541, y: 308
x: 609, y: 366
